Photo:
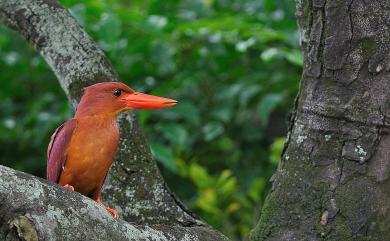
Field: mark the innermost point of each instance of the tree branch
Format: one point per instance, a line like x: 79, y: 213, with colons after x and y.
x: 136, y: 188
x: 33, y: 209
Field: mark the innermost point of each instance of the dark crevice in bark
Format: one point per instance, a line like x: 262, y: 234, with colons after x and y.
x: 376, y: 123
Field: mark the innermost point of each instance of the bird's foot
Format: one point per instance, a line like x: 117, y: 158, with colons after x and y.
x: 69, y: 187
x: 112, y: 211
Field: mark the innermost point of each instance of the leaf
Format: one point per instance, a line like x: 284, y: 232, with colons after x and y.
x: 162, y: 54
x: 188, y: 111
x: 208, y: 200
x: 176, y: 133
x: 230, y: 91
x: 223, y: 113
x: 158, y: 21
x: 212, y: 130
x: 164, y: 155
x: 295, y: 57
x: 109, y: 30
x: 270, y: 54
x: 200, y: 176
x: 247, y: 93
x: 256, y: 189
x: 78, y: 11
x: 228, y: 185
x: 267, y: 105
x: 233, y: 207
x: 269, y: 5
x: 226, y: 144
x: 276, y: 149
x: 224, y: 177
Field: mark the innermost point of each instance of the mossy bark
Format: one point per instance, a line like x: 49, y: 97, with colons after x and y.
x: 333, y: 179
x: 135, y: 186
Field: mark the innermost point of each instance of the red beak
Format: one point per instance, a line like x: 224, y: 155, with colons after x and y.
x: 139, y: 100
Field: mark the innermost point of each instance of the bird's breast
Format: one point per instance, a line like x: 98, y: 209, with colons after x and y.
x: 90, y: 153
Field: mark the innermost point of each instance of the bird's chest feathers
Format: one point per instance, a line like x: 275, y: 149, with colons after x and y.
x: 94, y: 144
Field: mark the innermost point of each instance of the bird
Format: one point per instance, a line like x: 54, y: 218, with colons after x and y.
x: 82, y: 149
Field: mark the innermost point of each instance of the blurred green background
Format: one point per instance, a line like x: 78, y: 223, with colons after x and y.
x: 234, y: 66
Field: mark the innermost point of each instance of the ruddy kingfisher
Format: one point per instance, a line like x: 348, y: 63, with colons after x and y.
x: 82, y: 149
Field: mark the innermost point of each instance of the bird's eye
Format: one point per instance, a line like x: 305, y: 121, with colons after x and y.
x: 117, y: 92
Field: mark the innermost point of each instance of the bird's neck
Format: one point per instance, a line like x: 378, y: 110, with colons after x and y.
x: 100, y: 122
x: 108, y: 117
x: 81, y: 114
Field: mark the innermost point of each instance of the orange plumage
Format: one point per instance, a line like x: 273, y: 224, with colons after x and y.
x: 82, y: 149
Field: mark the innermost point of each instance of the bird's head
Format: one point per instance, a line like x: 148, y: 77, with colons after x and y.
x: 112, y: 98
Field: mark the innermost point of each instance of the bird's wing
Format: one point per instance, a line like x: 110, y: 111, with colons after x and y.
x: 56, y: 151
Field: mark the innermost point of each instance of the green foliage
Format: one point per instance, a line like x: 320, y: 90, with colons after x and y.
x: 233, y: 66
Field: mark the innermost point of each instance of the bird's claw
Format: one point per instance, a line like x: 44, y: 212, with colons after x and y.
x: 69, y: 187
x: 112, y: 211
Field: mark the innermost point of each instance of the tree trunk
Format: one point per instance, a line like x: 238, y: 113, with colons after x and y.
x: 333, y: 179
x: 136, y: 188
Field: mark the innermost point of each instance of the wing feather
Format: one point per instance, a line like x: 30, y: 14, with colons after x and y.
x: 56, y: 151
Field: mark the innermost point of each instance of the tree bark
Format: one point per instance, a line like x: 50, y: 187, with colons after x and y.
x: 135, y: 187
x: 333, y: 179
